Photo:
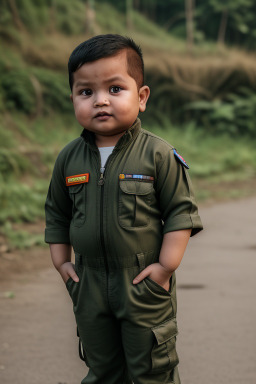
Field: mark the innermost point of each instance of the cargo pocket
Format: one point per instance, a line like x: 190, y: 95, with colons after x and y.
x: 77, y: 194
x: 164, y: 356
x: 134, y: 203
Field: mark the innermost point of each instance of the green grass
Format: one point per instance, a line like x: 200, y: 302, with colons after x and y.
x: 22, y: 202
x: 216, y: 158
x: 21, y: 239
x: 221, y: 167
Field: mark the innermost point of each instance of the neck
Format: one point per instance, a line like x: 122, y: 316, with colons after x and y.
x: 107, y: 141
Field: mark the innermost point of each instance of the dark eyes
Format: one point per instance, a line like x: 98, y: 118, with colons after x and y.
x: 89, y: 92
x: 115, y: 89
x: 86, y: 92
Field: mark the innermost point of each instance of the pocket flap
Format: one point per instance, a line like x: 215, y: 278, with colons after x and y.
x: 165, y: 331
x: 75, y: 188
x: 133, y: 187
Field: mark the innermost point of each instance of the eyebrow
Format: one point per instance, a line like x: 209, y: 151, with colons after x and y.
x: 90, y: 83
x: 114, y: 78
x: 82, y: 84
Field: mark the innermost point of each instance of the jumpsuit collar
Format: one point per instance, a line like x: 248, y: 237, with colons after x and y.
x: 126, y: 139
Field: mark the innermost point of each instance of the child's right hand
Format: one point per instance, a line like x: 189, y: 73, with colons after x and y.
x: 67, y: 270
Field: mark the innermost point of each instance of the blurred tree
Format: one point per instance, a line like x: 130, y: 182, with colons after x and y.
x: 136, y: 4
x: 15, y: 15
x: 52, y: 18
x: 223, y: 26
x: 170, y: 14
x: 189, y: 7
x: 172, y: 20
x: 237, y: 11
x: 120, y: 5
x: 90, y: 16
x: 228, y: 21
x: 129, y: 7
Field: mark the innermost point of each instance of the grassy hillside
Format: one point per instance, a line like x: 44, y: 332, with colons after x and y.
x: 211, y: 86
x: 216, y: 135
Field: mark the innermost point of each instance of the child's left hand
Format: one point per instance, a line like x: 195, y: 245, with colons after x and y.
x: 157, y: 273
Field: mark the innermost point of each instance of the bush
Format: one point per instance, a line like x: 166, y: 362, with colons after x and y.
x: 70, y: 16
x: 55, y: 90
x: 234, y: 115
x: 21, y: 202
x: 18, y: 91
x: 12, y: 162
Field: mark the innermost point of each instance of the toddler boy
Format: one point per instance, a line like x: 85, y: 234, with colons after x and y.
x: 122, y: 198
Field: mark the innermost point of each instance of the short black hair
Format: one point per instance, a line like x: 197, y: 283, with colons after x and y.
x: 101, y: 46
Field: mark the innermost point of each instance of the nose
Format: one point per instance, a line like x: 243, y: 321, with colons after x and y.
x: 101, y: 99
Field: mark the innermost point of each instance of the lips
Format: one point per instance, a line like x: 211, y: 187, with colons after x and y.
x: 103, y: 114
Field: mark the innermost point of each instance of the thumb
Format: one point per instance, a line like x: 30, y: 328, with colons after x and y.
x: 141, y: 276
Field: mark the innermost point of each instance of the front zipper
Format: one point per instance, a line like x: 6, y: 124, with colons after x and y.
x: 101, y: 183
x: 101, y: 179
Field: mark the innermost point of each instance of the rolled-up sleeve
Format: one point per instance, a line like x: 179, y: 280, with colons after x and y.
x: 58, y: 208
x: 177, y: 201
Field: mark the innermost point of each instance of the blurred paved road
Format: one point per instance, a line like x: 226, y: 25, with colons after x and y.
x: 216, y: 311
x: 217, y: 322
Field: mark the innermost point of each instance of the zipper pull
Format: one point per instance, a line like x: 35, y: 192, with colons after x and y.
x: 101, y: 179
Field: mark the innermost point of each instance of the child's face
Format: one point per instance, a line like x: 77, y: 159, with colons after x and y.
x: 106, y: 98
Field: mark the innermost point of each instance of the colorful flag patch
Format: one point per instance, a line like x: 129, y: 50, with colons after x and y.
x: 180, y: 159
x: 77, y: 179
x: 128, y: 176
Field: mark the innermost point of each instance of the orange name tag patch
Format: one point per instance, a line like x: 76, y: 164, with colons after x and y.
x: 77, y: 179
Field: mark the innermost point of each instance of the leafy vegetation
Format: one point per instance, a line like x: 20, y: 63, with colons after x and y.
x: 236, y: 115
x: 230, y: 21
x: 216, y: 158
x: 207, y: 87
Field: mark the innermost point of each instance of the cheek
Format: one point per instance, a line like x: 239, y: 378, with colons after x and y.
x: 81, y: 110
x: 127, y: 105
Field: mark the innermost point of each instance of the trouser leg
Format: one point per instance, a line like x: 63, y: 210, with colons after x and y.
x: 104, y: 352
x: 99, y: 331
x: 149, y: 329
x: 148, y: 361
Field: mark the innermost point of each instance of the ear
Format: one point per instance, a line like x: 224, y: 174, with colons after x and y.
x: 144, y: 93
x: 71, y: 97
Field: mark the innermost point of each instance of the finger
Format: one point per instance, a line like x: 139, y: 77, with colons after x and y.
x: 141, y: 276
x: 74, y: 276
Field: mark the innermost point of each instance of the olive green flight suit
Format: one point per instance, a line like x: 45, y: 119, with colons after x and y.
x: 115, y: 220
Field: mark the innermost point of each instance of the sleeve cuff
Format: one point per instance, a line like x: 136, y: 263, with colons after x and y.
x: 57, y: 236
x: 183, y: 222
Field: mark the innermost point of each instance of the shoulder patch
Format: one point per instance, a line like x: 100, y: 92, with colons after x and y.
x: 180, y: 159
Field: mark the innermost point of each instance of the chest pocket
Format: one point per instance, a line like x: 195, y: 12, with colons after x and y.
x: 134, y: 203
x: 77, y: 194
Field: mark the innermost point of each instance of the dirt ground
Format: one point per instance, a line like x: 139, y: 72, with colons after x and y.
x: 216, y: 308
